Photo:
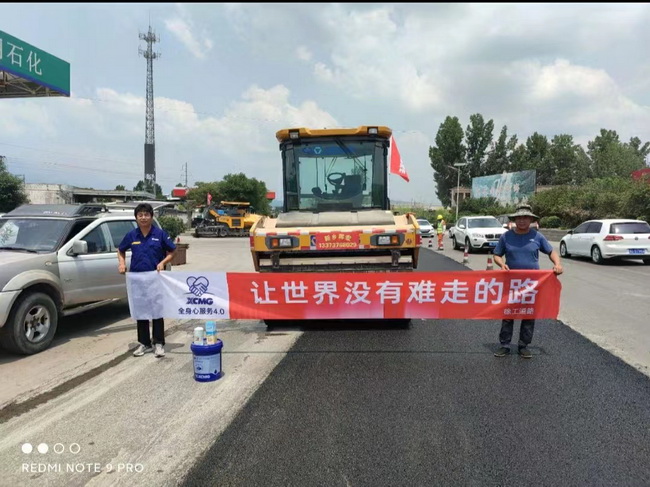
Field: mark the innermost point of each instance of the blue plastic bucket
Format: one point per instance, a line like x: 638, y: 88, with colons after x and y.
x: 207, y: 361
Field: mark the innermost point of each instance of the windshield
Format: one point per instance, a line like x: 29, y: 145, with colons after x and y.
x: 333, y: 174
x: 423, y: 222
x: 483, y: 223
x: 630, y: 227
x: 31, y: 234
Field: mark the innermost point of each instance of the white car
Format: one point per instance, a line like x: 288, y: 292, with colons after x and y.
x: 608, y: 239
x: 476, y: 232
x: 426, y: 229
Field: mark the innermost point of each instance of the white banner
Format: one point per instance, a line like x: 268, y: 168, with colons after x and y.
x: 185, y: 295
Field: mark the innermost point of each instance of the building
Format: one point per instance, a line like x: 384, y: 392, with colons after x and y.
x: 463, y: 192
x: 52, y: 194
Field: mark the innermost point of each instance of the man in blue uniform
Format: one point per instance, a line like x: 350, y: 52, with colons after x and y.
x: 521, y: 246
x: 151, y: 249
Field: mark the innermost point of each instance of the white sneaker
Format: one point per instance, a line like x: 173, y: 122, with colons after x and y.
x: 141, y: 350
x: 160, y: 350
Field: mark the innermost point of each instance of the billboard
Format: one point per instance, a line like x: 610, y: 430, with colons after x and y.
x: 509, y: 188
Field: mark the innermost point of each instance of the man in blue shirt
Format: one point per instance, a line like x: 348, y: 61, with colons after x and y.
x: 521, y: 246
x: 151, y: 249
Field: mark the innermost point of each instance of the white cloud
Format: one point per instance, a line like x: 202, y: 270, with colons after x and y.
x: 111, y: 125
x: 182, y: 27
x: 303, y: 53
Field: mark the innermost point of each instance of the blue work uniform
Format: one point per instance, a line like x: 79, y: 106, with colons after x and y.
x: 147, y: 252
x: 522, y: 250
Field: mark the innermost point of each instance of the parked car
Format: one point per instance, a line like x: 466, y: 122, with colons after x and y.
x: 56, y: 260
x: 477, y: 232
x: 426, y: 229
x: 608, y: 239
x: 509, y: 224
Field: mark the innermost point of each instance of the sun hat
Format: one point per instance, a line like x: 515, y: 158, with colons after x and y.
x: 523, y: 210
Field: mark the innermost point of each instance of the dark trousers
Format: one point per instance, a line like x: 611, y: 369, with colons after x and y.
x: 525, y: 332
x: 158, y: 332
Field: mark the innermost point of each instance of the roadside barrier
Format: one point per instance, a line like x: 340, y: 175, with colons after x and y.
x: 465, y: 257
x: 490, y: 264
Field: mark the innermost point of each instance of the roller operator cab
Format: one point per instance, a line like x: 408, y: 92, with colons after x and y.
x: 336, y: 215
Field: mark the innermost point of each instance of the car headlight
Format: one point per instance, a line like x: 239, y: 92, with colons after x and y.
x: 478, y: 235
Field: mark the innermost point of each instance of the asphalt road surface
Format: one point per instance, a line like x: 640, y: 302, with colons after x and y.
x: 377, y: 405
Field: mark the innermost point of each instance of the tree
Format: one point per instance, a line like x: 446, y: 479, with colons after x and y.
x: 233, y: 187
x: 12, y: 192
x: 143, y: 186
x: 537, y: 152
x: 448, y: 151
x: 497, y: 158
x: 120, y: 187
x: 238, y: 187
x: 568, y: 161
x: 611, y: 158
x: 478, y: 136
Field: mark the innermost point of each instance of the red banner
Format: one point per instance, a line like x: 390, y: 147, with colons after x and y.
x: 477, y: 295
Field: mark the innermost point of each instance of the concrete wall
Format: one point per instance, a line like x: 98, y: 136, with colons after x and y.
x: 50, y: 194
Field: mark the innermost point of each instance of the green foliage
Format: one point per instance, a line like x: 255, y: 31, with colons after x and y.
x: 599, y: 198
x: 478, y: 136
x: 120, y: 187
x: 143, y: 186
x: 233, y: 187
x: 449, y: 150
x: 12, y: 193
x: 172, y: 225
x: 483, y: 206
x: 550, y: 222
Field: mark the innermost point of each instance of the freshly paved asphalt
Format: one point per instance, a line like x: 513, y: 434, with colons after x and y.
x: 375, y: 405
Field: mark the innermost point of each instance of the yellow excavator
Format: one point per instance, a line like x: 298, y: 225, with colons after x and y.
x: 226, y: 219
x: 336, y: 215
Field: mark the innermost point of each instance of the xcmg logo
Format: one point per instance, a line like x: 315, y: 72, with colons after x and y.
x: 200, y: 301
x: 198, y: 286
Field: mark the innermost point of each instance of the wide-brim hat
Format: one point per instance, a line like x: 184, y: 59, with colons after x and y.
x: 523, y: 210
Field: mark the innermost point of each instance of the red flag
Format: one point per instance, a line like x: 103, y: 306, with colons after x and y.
x: 209, y: 198
x: 396, y: 164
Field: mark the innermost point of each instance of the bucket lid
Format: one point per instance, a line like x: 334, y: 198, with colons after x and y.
x: 195, y: 347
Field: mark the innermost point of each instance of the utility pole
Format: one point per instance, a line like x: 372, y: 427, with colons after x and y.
x: 150, y: 135
x: 458, y: 165
x: 186, y: 174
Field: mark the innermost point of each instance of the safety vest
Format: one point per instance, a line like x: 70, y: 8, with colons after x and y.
x: 440, y: 226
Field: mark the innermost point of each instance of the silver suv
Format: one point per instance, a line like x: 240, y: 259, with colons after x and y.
x: 56, y: 260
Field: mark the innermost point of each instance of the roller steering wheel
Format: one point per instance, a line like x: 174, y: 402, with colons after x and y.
x: 336, y: 179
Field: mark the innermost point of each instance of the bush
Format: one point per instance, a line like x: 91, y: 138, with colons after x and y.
x: 172, y: 225
x: 550, y: 222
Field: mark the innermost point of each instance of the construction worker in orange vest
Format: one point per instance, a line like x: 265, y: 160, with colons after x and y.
x: 441, y: 226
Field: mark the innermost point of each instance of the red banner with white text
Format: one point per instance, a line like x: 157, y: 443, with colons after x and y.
x: 515, y: 294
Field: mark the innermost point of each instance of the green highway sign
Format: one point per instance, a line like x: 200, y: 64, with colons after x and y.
x: 28, y: 62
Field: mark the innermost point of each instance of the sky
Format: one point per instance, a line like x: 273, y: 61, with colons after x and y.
x: 229, y: 76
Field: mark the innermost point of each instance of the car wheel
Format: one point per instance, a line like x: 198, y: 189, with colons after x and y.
x: 646, y: 261
x: 454, y: 243
x: 563, y: 251
x: 31, y: 326
x: 596, y: 256
x: 468, y: 246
